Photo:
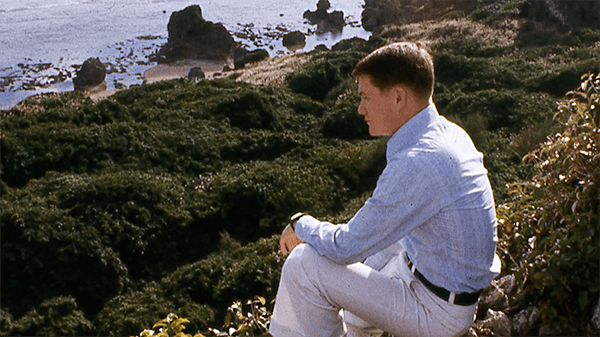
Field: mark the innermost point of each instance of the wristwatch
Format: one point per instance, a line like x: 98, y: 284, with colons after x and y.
x: 295, y: 219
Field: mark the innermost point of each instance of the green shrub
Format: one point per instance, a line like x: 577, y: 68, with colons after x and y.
x: 342, y: 120
x: 29, y: 153
x: 499, y: 109
x: 41, y: 242
x: 551, y: 227
x: 252, y: 200
x: 58, y: 316
x: 317, y: 77
x: 494, y: 12
x: 129, y: 313
x: 471, y: 47
x: 227, y: 276
x: 244, y: 146
x: 247, y: 110
x: 473, y: 73
x: 558, y: 81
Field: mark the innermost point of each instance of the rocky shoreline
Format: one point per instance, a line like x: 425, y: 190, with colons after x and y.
x: 141, y: 60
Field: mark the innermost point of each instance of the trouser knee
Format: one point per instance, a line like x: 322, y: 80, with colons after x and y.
x: 297, y: 261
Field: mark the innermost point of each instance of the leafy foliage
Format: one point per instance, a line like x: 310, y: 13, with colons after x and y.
x: 138, y: 309
x: 551, y: 227
x: 316, y: 78
x: 342, y: 121
x: 171, y: 326
x: 57, y: 316
x: 473, y: 73
x: 227, y: 276
x: 238, y: 323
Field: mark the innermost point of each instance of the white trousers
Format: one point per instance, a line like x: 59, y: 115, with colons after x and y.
x: 319, y: 298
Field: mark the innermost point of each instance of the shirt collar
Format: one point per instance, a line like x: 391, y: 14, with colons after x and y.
x: 412, y: 129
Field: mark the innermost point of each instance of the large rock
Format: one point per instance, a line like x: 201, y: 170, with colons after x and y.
x: 196, y: 73
x: 191, y: 37
x: 497, y: 322
x: 564, y: 14
x: 378, y: 13
x: 325, y: 21
x: 294, y: 39
x: 526, y: 322
x: 92, y: 73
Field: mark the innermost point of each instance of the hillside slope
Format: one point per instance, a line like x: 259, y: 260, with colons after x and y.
x: 169, y: 197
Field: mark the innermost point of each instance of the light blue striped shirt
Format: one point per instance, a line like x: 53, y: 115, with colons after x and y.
x: 434, y: 197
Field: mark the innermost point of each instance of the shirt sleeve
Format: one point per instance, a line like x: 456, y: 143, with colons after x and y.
x: 402, y: 200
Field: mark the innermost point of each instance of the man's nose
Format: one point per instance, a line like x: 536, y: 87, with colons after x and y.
x: 361, y: 109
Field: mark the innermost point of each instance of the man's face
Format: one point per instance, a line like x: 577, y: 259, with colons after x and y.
x: 378, y: 107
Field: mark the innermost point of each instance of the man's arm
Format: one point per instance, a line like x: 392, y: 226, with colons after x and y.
x: 402, y: 200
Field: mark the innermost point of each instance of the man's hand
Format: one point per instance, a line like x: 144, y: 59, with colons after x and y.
x: 289, y: 240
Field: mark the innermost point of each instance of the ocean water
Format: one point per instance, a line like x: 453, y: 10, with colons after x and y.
x: 43, y: 41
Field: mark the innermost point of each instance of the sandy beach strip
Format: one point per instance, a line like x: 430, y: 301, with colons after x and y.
x: 165, y: 72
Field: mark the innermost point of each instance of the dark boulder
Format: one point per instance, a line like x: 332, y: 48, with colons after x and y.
x: 353, y: 43
x: 563, y: 14
x: 191, y: 37
x: 321, y: 47
x: 196, y: 73
x: 92, y: 73
x: 325, y: 21
x: 241, y: 56
x: 378, y: 13
x: 294, y: 39
x: 320, y: 14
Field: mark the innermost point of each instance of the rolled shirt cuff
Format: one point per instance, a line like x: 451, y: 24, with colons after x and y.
x: 304, y: 225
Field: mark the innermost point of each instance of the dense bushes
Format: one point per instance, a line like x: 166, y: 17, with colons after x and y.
x: 49, y: 253
x: 473, y: 73
x: 342, y: 121
x: 510, y: 110
x: 551, y: 227
x: 216, y: 281
x: 99, y: 200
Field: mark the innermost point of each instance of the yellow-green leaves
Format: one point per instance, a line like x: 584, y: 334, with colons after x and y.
x: 254, y: 319
x: 551, y: 226
x: 171, y: 326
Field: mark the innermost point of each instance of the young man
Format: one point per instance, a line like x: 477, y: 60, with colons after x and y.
x: 428, y: 232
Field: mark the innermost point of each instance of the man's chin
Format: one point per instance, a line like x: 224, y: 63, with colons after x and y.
x: 378, y: 134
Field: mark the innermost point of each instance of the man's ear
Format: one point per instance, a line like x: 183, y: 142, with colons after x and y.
x: 401, y: 95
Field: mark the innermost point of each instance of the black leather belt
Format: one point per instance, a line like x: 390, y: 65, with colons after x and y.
x: 464, y: 299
